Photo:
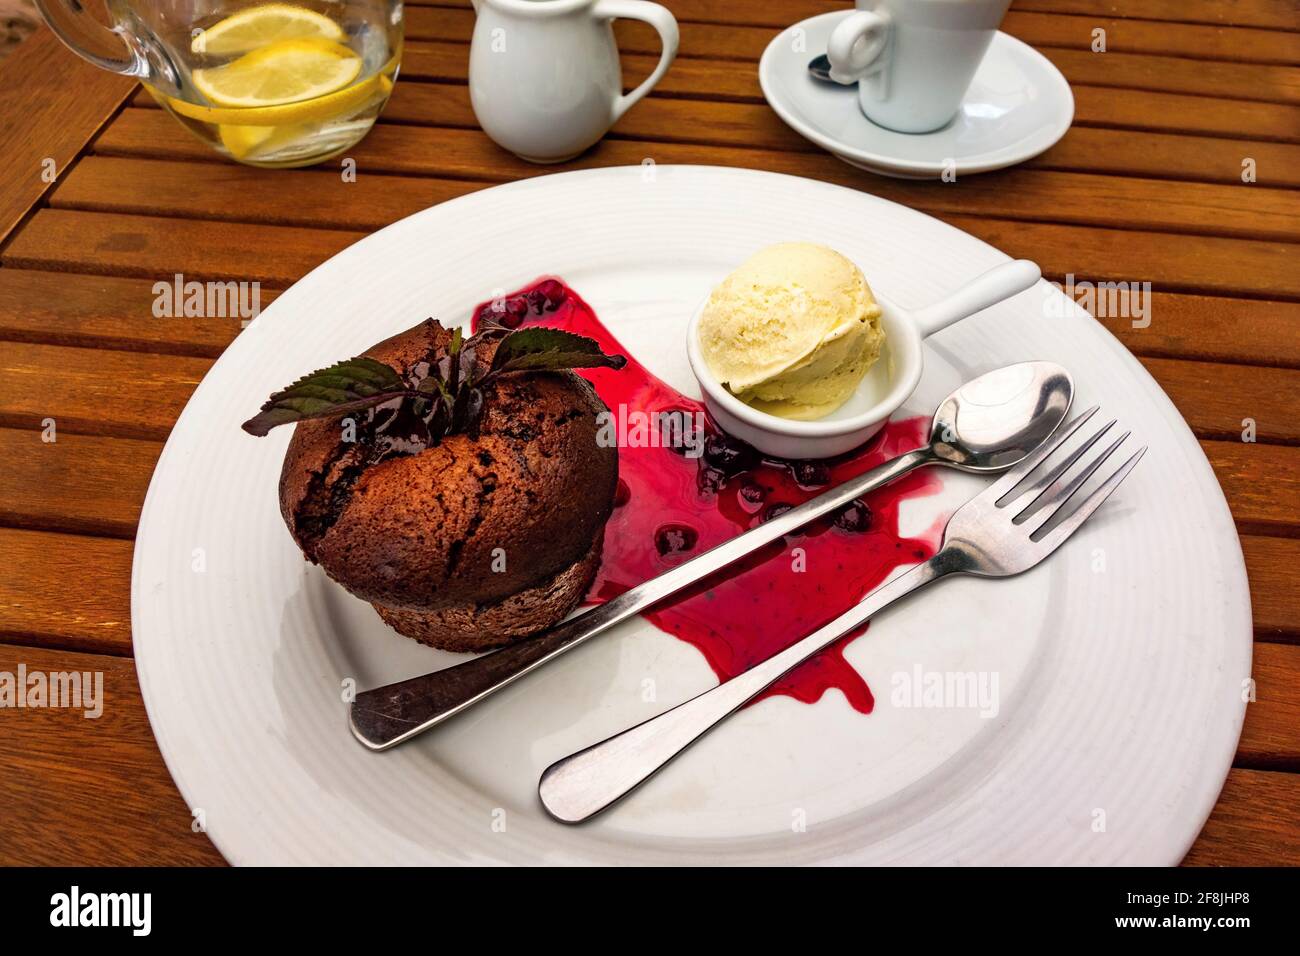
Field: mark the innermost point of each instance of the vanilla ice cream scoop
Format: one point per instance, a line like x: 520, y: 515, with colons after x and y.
x: 792, y: 331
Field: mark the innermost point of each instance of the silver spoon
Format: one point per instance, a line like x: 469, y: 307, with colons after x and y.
x: 820, y: 68
x: 987, y: 425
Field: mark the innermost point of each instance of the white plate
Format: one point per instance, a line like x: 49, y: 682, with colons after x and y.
x: 1017, y: 106
x: 1120, y: 661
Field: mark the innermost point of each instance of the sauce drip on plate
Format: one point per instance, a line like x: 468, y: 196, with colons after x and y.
x: 682, y: 492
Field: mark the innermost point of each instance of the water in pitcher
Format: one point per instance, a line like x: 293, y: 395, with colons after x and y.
x: 281, y: 84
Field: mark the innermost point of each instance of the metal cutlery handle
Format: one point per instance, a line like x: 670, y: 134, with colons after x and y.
x: 583, y: 784
x: 389, y: 715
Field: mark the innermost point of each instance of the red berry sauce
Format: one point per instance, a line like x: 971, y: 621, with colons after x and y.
x: 671, y: 506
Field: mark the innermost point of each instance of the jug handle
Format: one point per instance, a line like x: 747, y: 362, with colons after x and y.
x: 665, y: 25
x: 90, y: 39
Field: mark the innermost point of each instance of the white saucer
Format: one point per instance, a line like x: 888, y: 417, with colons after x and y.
x: 1018, y: 105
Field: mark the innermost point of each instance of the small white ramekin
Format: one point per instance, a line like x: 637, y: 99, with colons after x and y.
x: 882, y: 391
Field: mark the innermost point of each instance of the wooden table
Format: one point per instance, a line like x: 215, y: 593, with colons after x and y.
x: 1147, y: 185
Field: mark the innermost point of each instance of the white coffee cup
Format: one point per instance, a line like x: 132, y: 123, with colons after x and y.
x: 913, y: 60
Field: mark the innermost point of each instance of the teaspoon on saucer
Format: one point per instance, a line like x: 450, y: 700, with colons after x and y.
x: 820, y: 68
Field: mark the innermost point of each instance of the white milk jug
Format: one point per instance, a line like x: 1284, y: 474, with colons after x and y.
x: 544, y: 75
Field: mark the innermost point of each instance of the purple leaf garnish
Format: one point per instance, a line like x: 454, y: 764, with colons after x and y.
x: 449, y: 399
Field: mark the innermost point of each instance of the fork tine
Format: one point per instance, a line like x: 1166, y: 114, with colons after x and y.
x: 1037, y: 487
x: 1052, y: 541
x: 1060, y: 491
x: 1014, y: 476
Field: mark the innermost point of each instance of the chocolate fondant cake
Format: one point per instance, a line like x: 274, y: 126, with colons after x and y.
x: 465, y: 540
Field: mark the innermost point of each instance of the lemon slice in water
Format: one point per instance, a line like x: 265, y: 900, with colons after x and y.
x: 247, y: 141
x: 260, y: 26
x: 356, y: 97
x: 289, y: 71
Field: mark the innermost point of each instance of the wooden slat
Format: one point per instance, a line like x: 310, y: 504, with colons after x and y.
x: 1178, y: 113
x: 157, y: 249
x: 1041, y: 30
x: 1216, y: 399
x: 1277, y: 14
x: 321, y: 198
x: 104, y: 312
x: 1182, y: 264
x: 1242, y: 81
x: 95, y: 391
x: 37, y: 605
x: 1194, y: 41
x: 466, y: 152
x: 81, y: 484
x: 1171, y: 156
x: 89, y: 792
x: 1208, y: 328
x: 1271, y: 565
x: 313, y: 198
x: 304, y: 198
x: 1253, y: 824
x: 1270, y: 739
x: 51, y: 104
x: 1261, y: 483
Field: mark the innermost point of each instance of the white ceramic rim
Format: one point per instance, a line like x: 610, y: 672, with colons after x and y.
x: 892, y: 165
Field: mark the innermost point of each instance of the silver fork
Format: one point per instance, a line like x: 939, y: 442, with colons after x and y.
x: 986, y: 537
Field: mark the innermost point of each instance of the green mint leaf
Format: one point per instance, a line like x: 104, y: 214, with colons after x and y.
x: 539, y: 348
x: 347, y: 386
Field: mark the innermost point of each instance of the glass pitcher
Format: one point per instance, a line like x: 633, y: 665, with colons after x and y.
x: 268, y: 84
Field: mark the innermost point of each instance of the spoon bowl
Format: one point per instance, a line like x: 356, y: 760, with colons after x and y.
x: 997, y: 420
x: 820, y: 68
